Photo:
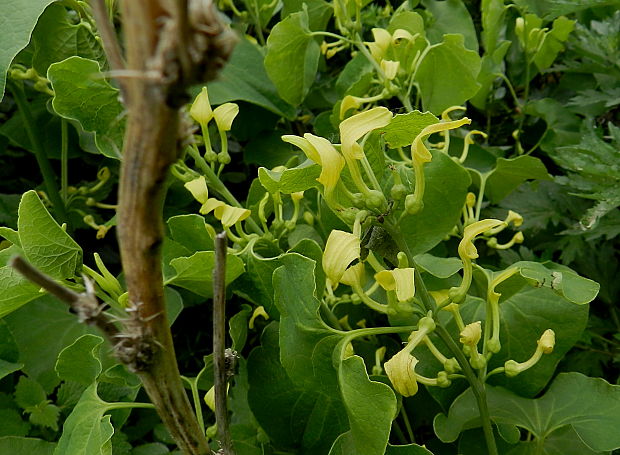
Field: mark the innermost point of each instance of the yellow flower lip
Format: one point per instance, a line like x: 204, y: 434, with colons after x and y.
x: 466, y: 246
x: 201, y: 108
x: 227, y: 214
x: 381, y: 43
x: 357, y: 126
x: 546, y: 342
x: 390, y: 68
x: 224, y: 115
x: 419, y: 152
x: 354, y: 275
x: 198, y: 188
x: 471, y: 334
x: 341, y: 249
x: 398, y: 280
x: 401, y: 371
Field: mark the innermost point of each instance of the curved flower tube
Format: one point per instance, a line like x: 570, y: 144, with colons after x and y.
x: 341, y: 249
x: 398, y: 280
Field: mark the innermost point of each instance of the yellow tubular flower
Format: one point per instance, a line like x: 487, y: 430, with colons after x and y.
x: 201, y: 108
x: 402, y: 34
x: 381, y: 44
x: 224, y: 115
x: 229, y: 215
x: 349, y: 102
x: 545, y: 345
x: 398, y: 280
x: 198, y: 188
x: 304, y: 145
x: 210, y: 205
x: 471, y: 334
x: 341, y: 249
x: 354, y: 275
x: 467, y: 251
x: 401, y: 371
x: 330, y: 160
x: 493, y: 344
x: 390, y: 68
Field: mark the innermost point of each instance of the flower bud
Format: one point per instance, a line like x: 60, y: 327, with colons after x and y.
x: 547, y: 341
x: 201, y: 108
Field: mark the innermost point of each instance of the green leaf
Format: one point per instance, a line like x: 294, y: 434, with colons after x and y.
x: 152, y: 448
x: 292, y: 57
x: 238, y: 327
x: 588, y: 406
x: 444, y: 196
x: 41, y: 331
x: 86, y: 431
x: 451, y: 16
x: 370, y: 406
x: 299, y: 178
x: 298, y: 419
x: 447, y: 74
x: 56, y: 38
x: 79, y: 362
x: 195, y: 272
x: 553, y: 42
x: 9, y: 352
x: 82, y: 93
x: 403, y: 128
x: 15, y: 290
x: 17, y: 22
x: 562, y: 280
x: 550, y: 9
x: 191, y: 232
x: 510, y: 173
x: 244, y: 78
x: 439, y: 267
x: 26, y: 446
x: 407, y: 20
x: 12, y: 424
x: 319, y: 12
x: 29, y: 393
x: 306, y: 342
x: 45, y: 244
x: 45, y: 414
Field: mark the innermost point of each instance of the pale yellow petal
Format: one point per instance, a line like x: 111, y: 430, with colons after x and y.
x: 224, y: 115
x: 201, y: 108
x: 358, y: 125
x: 229, y: 215
x: 401, y: 34
x: 471, y: 334
x: 349, y: 102
x: 330, y: 160
x: 401, y: 371
x: 390, y: 68
x: 419, y: 152
x: 209, y: 205
x: 405, y: 287
x: 355, y: 274
x: 198, y: 188
x: 304, y: 145
x: 341, y: 249
x: 466, y: 246
x: 386, y: 280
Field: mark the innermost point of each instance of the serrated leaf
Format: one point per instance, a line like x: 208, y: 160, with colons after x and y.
x: 45, y: 244
x: 589, y: 406
x: 79, y: 362
x: 195, y: 273
x: 17, y: 22
x: 299, y: 178
x: 29, y: 393
x: 403, y: 128
x: 45, y: 414
x: 447, y: 74
x: 292, y: 57
x: 82, y: 93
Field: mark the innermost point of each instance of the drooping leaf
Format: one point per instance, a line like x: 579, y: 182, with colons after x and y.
x: 244, y: 78
x: 191, y: 232
x: 17, y: 22
x: 588, y: 406
x: 447, y: 74
x: 45, y: 244
x: 553, y: 43
x: 292, y: 57
x: 195, y: 272
x: 82, y: 93
x: 79, y: 362
x: 299, y: 178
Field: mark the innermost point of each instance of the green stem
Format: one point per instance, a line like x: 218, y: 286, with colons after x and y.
x: 193, y: 385
x: 428, y: 302
x: 218, y: 186
x: 39, y: 151
x: 129, y: 405
x: 407, y: 424
x: 483, y: 184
